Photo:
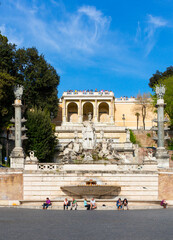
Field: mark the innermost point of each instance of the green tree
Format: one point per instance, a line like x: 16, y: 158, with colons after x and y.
x: 8, y: 74
x: 132, y: 137
x: 155, y: 79
x: 137, y: 119
x: 6, y: 98
x: 165, y: 78
x: 40, y: 133
x: 7, y: 56
x: 168, y: 97
x: 159, y: 76
x: 39, y: 79
x: 28, y: 68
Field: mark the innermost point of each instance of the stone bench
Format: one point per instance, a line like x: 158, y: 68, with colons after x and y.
x: 102, y: 204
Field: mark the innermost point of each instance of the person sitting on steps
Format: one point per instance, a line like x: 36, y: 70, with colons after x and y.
x: 73, y: 204
x: 125, y: 204
x: 163, y: 203
x: 66, y: 203
x: 119, y: 204
x: 47, y: 203
x: 93, y: 204
x: 86, y: 204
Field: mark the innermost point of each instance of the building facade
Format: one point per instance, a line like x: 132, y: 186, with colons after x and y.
x: 110, y: 115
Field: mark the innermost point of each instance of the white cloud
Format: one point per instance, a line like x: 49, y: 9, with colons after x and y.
x: 138, y: 33
x: 76, y: 33
x: 147, y: 35
x: 2, y: 29
x: 156, y: 21
x: 83, y: 36
x: 12, y: 38
x: 82, y: 30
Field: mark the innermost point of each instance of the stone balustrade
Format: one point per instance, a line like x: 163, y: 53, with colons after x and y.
x: 81, y: 93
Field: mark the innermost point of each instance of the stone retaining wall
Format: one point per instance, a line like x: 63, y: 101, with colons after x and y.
x: 166, y: 185
x: 11, y: 184
x: 134, y: 185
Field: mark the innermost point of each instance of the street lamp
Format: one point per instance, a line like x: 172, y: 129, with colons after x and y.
x: 123, y: 118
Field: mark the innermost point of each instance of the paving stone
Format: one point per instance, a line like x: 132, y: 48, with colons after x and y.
x: 27, y: 224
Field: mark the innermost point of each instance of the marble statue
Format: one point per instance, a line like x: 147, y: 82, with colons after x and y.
x: 160, y: 91
x: 31, y: 158
x: 18, y: 92
x: 88, y: 135
x: 128, y: 135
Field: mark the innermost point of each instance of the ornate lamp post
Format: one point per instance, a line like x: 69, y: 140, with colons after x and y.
x: 161, y: 153
x: 123, y: 118
x: 17, y: 155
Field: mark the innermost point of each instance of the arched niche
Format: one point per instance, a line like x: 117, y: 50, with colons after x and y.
x: 104, y: 112
x: 87, y: 108
x: 72, y: 112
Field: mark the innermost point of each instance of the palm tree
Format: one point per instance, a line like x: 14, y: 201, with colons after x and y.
x: 137, y: 117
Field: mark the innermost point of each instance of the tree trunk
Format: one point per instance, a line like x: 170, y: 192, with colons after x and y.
x: 143, y: 115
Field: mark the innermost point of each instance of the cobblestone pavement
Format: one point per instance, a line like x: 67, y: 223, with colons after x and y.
x: 28, y: 224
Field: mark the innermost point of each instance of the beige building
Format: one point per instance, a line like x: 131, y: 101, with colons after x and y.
x: 109, y: 114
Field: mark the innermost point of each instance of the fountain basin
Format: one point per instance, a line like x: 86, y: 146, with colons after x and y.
x: 93, y: 190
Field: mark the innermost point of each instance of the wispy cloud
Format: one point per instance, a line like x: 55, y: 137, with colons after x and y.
x: 82, y: 30
x: 156, y: 22
x: 2, y: 29
x: 12, y: 36
x: 147, y: 36
x: 82, y: 36
x: 153, y: 24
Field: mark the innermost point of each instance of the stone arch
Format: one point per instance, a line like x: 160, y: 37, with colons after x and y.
x: 87, y: 108
x: 103, y: 112
x: 72, y: 112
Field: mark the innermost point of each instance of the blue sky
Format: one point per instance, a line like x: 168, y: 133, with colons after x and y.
x: 112, y: 45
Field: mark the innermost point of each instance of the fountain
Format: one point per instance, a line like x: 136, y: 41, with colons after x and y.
x: 91, y: 189
x: 89, y: 150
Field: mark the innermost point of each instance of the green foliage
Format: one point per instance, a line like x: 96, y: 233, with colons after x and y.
x: 132, y: 137
x: 41, y: 138
x: 168, y: 97
x: 6, y: 97
x: 39, y: 79
x: 155, y: 79
x: 8, y: 74
x: 7, y: 56
x: 165, y: 78
x: 170, y: 144
x: 28, y: 68
x: 148, y: 135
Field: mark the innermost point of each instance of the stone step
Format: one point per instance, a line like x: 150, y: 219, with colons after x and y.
x: 114, y: 208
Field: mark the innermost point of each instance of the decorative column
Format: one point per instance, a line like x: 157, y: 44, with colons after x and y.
x: 64, y: 112
x: 112, y: 112
x: 95, y: 112
x: 80, y: 111
x: 162, y: 155
x: 17, y: 155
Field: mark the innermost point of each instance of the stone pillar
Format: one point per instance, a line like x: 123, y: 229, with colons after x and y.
x: 96, y: 111
x: 80, y: 111
x: 64, y: 112
x: 17, y: 155
x: 18, y: 134
x: 112, y: 112
x: 162, y: 155
x: 160, y: 122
